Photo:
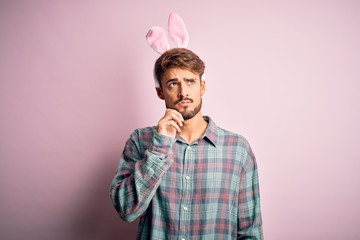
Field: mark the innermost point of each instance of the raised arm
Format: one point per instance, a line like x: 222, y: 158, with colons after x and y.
x: 139, y: 174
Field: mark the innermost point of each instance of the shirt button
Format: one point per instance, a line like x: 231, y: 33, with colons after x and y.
x: 185, y: 208
x: 189, y: 148
x: 187, y: 177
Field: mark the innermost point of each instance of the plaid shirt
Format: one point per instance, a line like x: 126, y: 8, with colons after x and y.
x: 206, y: 190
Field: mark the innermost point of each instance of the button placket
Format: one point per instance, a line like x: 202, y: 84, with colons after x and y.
x: 186, y: 191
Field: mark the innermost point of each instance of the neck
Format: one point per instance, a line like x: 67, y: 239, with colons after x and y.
x: 193, y: 128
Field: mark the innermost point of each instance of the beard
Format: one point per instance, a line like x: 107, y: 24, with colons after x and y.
x: 188, y: 114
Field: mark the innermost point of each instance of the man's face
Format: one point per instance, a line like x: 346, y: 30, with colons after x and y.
x: 182, y: 90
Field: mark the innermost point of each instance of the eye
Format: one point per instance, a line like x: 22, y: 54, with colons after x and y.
x: 190, y: 81
x: 172, y: 84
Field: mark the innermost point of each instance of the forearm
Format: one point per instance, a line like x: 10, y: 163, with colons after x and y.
x: 137, y: 180
x: 249, y: 216
x: 131, y: 195
x: 251, y: 228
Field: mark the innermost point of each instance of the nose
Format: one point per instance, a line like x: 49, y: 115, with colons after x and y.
x: 183, y: 91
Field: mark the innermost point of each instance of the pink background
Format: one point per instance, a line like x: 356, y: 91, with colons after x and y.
x: 76, y: 80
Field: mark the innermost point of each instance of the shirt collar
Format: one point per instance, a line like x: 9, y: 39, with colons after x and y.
x: 211, y: 132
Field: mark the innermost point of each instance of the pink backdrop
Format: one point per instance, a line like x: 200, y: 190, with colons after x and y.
x: 76, y: 80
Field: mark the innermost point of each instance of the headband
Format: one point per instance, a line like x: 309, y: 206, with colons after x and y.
x: 157, y: 37
x: 158, y: 40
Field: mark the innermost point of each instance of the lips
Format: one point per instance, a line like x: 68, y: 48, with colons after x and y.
x: 184, y: 101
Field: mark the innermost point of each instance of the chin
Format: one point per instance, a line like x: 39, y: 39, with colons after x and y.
x: 187, y: 117
x: 188, y: 114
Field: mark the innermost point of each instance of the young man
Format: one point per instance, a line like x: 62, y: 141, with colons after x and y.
x: 186, y: 178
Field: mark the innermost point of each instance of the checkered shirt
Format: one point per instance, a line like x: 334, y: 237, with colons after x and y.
x: 205, y: 190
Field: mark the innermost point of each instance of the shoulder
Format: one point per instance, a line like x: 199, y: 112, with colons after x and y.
x: 236, y: 144
x: 143, y: 134
x: 223, y: 137
x: 140, y: 139
x: 227, y: 137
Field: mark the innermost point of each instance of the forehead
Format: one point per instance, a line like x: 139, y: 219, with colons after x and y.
x: 179, y: 73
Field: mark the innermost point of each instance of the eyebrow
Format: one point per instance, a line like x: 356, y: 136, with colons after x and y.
x: 172, y: 80
x: 176, y: 79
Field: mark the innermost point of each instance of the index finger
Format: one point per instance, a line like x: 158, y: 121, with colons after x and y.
x: 176, y: 113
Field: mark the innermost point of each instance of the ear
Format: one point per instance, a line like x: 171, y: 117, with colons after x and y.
x: 178, y: 31
x: 202, y: 87
x: 160, y: 93
x: 157, y: 39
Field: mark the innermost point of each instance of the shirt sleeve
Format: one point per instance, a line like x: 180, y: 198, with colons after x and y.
x: 249, y: 216
x: 138, y: 175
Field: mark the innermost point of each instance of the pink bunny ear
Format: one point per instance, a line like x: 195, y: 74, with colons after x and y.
x: 178, y: 31
x: 157, y: 39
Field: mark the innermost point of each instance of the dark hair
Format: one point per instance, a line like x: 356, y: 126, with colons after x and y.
x: 181, y: 58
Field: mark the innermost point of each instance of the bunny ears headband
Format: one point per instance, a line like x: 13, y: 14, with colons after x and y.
x: 158, y: 40
x: 157, y: 37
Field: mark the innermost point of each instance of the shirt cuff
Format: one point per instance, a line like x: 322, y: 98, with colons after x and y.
x: 162, y: 145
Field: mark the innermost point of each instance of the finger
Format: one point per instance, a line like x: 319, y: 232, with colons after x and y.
x: 174, y: 125
x: 167, y: 121
x: 180, y: 116
x: 176, y: 118
x: 175, y: 115
x: 174, y: 111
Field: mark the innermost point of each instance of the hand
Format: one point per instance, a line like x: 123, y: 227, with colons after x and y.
x: 170, y: 123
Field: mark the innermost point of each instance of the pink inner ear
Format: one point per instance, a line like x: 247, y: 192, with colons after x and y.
x: 178, y: 31
x: 157, y: 39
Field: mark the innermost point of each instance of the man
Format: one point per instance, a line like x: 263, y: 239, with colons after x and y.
x: 186, y: 178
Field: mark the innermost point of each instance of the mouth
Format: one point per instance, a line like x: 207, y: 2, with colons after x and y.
x: 185, y: 101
